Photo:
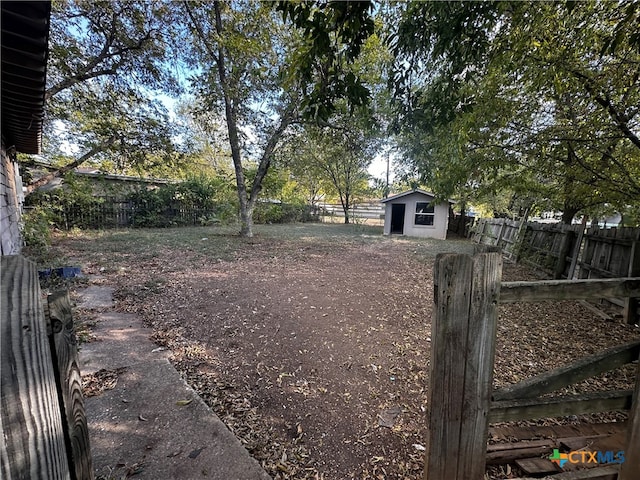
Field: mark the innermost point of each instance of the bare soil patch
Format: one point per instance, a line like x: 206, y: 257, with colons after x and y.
x: 314, y: 350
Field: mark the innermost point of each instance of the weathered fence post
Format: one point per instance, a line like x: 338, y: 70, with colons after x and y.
x: 503, y: 224
x: 631, y: 466
x: 520, y: 243
x: 69, y: 382
x: 30, y: 420
x: 630, y: 306
x: 466, y: 293
x: 477, y: 238
x: 577, y: 248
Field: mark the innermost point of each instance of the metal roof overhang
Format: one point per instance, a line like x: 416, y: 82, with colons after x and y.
x: 25, y: 37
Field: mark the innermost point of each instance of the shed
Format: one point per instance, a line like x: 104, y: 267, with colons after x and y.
x: 416, y: 214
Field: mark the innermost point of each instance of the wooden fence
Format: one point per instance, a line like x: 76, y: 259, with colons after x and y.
x: 467, y: 291
x: 118, y: 214
x: 124, y: 214
x: 366, y: 213
x: 42, y: 415
x: 500, y: 232
x: 461, y: 225
x: 569, y: 251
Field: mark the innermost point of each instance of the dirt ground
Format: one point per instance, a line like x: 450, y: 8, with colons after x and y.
x: 315, y: 351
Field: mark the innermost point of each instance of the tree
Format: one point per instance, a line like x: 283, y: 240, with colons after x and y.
x: 124, y: 131
x: 341, y: 67
x: 344, y: 161
x: 241, y: 51
x: 294, y: 157
x: 534, y: 94
x: 334, y: 159
x: 104, y: 60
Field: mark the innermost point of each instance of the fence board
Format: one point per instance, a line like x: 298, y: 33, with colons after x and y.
x: 630, y: 305
x: 31, y: 424
x: 548, y: 246
x: 606, y: 252
x: 560, y: 406
x: 608, y: 472
x: 630, y: 468
x: 465, y: 290
x: 569, y: 374
x: 64, y: 348
x: 512, y: 292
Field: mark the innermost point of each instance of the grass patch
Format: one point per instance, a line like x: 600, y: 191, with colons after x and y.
x: 114, y: 250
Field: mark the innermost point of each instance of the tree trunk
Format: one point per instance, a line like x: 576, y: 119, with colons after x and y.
x: 569, y: 208
x: 246, y: 209
x: 569, y: 212
x: 462, y: 223
x: 248, y: 199
x: 345, y: 201
x: 246, y: 221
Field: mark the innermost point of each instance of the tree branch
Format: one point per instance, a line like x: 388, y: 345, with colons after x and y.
x: 265, y: 160
x: 87, y: 72
x: 48, y: 178
x: 200, y: 33
x: 621, y: 120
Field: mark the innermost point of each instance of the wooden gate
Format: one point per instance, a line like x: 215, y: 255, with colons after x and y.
x: 467, y: 291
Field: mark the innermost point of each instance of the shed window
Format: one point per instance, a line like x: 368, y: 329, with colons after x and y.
x: 425, y: 213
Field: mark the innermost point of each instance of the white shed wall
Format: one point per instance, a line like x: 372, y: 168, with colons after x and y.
x: 440, y: 221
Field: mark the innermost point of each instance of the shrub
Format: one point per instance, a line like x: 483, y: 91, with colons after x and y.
x: 36, y: 228
x: 282, y: 213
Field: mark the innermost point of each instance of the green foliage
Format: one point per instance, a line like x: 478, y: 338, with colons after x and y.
x: 630, y: 217
x: 333, y: 161
x: 199, y: 199
x: 241, y: 52
x: 266, y: 213
x: 151, y: 208
x: 526, y: 100
x: 105, y: 60
x: 76, y: 193
x: 333, y: 34
x: 36, y: 229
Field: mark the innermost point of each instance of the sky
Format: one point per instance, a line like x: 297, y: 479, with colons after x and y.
x: 377, y: 169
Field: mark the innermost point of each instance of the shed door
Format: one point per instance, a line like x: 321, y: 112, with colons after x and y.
x: 397, y: 218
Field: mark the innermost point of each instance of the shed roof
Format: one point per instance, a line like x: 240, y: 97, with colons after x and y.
x: 410, y: 192
x: 25, y: 38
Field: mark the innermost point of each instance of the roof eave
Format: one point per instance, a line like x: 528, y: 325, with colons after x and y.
x: 25, y: 38
x: 410, y: 192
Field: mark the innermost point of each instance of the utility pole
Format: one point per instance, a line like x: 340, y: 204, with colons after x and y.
x: 386, y: 188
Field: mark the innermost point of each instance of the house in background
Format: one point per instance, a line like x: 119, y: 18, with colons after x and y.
x: 415, y: 214
x: 104, y: 184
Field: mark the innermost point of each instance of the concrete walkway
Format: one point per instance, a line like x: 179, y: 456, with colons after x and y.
x: 145, y: 425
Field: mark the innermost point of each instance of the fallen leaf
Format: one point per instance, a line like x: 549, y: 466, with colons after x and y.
x: 387, y: 418
x: 183, y: 403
